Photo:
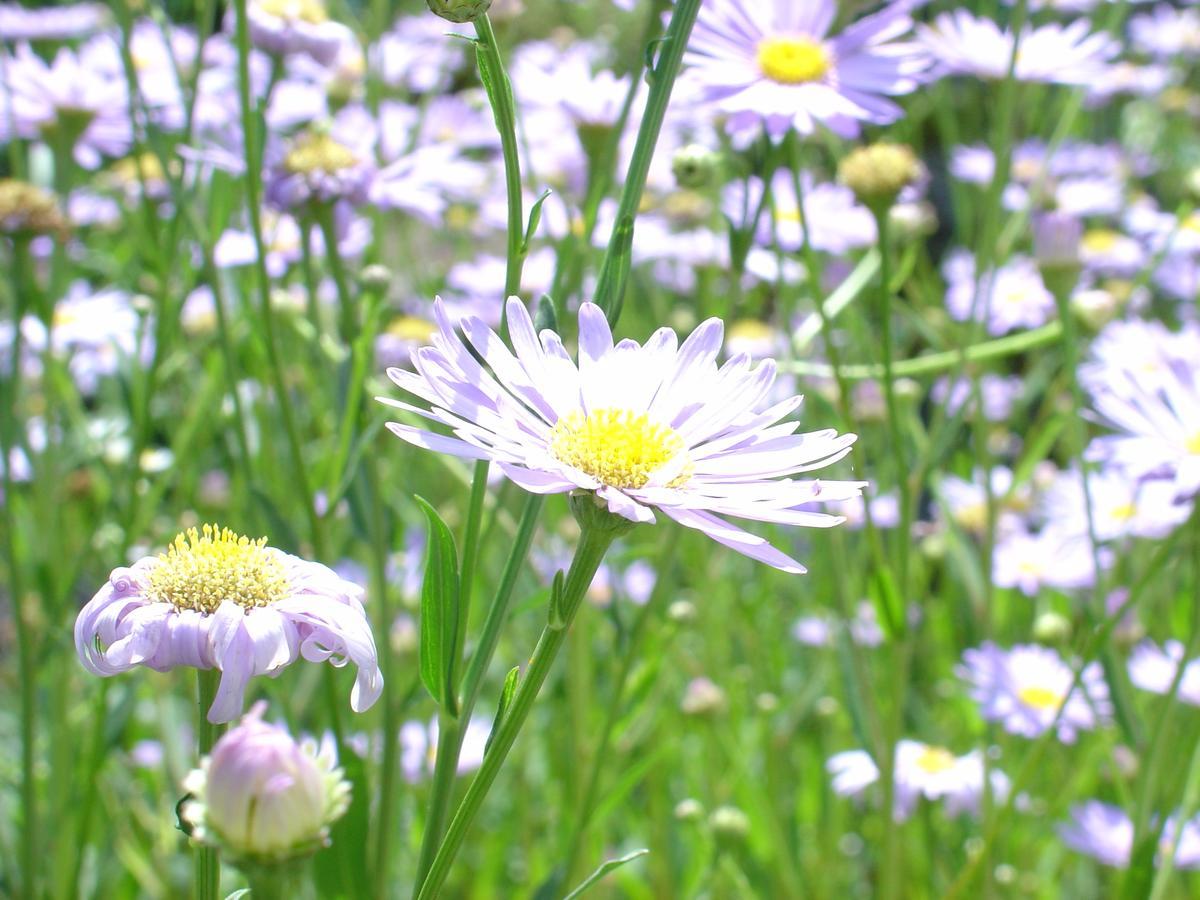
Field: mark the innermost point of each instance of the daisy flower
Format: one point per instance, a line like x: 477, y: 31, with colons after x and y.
x: 1157, y: 418
x: 1105, y: 833
x: 776, y: 64
x: 658, y: 426
x: 216, y: 600
x: 921, y: 770
x: 1057, y: 54
x: 1023, y: 688
x: 1152, y: 669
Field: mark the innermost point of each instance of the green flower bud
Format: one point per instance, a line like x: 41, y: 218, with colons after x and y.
x: 695, y: 166
x: 458, y: 10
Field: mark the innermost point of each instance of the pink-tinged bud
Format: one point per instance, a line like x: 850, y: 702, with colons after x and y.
x: 262, y: 797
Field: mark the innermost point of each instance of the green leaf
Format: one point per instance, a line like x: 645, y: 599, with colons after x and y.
x: 557, y: 618
x: 545, y: 316
x: 439, y: 612
x: 535, y: 217
x: 605, y: 867
x: 506, y: 695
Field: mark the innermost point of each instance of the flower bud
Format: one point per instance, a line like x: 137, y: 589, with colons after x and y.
x: 695, y: 166
x: 878, y: 172
x: 702, y: 697
x: 688, y: 810
x: 262, y: 797
x: 1051, y: 628
x: 1056, y: 240
x: 458, y: 10
x: 27, y: 210
x: 729, y: 822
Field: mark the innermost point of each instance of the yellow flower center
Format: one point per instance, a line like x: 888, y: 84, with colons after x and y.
x: 25, y: 208
x: 793, y: 60
x: 1123, y: 512
x: 935, y: 759
x: 311, y: 11
x: 318, y: 152
x: 1192, y: 444
x: 1040, y: 697
x: 750, y: 330
x: 1100, y: 240
x: 619, y: 448
x: 411, y: 328
x: 201, y: 571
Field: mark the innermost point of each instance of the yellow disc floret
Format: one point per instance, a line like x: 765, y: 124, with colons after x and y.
x: 412, y: 328
x: 793, y: 60
x: 310, y: 11
x: 1040, y: 697
x: 316, y: 151
x: 200, y: 571
x: 620, y: 448
x: 935, y: 759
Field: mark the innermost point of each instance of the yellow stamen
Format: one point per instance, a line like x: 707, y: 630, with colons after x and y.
x: 310, y: 11
x: 1192, y: 444
x: 793, y: 60
x: 1040, y: 697
x: 318, y: 152
x: 935, y: 759
x: 412, y: 328
x: 1123, y: 512
x: 1100, y: 240
x: 201, y: 571
x: 619, y: 448
x: 750, y: 330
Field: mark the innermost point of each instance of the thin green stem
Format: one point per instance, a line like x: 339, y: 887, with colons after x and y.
x: 600, y: 754
x: 593, y: 544
x: 504, y: 109
x: 207, y: 866
x: 250, y: 131
x: 450, y: 739
x: 610, y: 284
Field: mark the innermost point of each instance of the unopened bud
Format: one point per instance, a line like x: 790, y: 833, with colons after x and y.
x: 262, y: 797
x: 375, y: 278
x: 459, y: 10
x: 1051, y: 628
x: 877, y: 173
x: 703, y: 696
x: 695, y: 166
x: 688, y: 810
x: 729, y: 822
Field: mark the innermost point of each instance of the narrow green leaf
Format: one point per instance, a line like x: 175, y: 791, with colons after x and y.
x: 545, y: 316
x: 506, y: 695
x: 439, y: 612
x: 535, y: 217
x: 605, y: 867
x: 557, y: 618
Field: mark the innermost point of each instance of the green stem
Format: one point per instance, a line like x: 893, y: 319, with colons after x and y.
x: 933, y: 363
x: 612, y: 714
x: 253, y: 195
x: 504, y: 109
x: 208, y: 871
x: 610, y: 285
x: 450, y: 734
x: 593, y: 544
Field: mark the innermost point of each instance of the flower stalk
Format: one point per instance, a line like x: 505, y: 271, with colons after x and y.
x: 207, y: 865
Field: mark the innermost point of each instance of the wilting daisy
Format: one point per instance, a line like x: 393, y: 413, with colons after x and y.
x: 1153, y: 669
x: 1058, y: 54
x: 658, y: 426
x: 776, y: 64
x: 1023, y: 688
x: 1105, y: 833
x: 216, y: 600
x: 921, y: 770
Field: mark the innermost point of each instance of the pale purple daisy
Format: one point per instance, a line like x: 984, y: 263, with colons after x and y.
x: 1054, y: 557
x: 658, y: 426
x: 1105, y: 833
x: 1057, y: 54
x: 419, y: 743
x: 1023, y: 688
x: 1153, y: 669
x: 219, y: 601
x: 921, y: 770
x: 775, y: 64
x: 51, y: 23
x: 1157, y: 415
x: 287, y: 27
x: 1018, y: 296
